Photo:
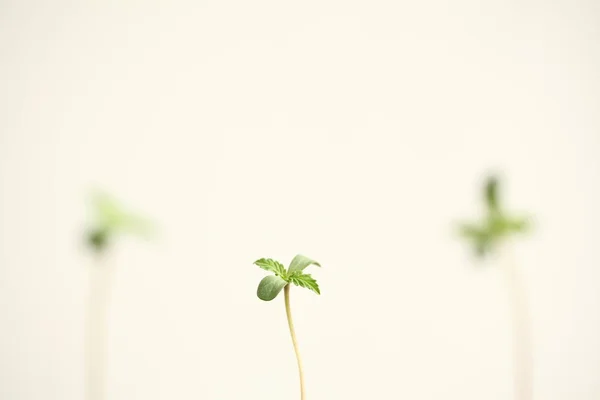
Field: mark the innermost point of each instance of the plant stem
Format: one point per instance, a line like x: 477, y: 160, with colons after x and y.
x: 96, y: 329
x: 522, y: 345
x: 288, y: 311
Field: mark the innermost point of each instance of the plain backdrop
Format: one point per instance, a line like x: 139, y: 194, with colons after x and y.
x: 356, y: 133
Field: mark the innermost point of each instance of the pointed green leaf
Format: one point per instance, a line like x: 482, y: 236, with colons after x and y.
x: 272, y: 266
x: 500, y: 226
x: 135, y: 224
x: 491, y: 193
x: 471, y: 231
x: 108, y: 211
x: 111, y: 217
x: 305, y: 281
x: 270, y: 287
x: 517, y: 224
x: 479, y: 236
x: 299, y: 263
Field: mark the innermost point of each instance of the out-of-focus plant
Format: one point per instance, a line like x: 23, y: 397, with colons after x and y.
x: 490, y: 235
x: 496, y: 226
x: 109, y: 221
x: 270, y: 286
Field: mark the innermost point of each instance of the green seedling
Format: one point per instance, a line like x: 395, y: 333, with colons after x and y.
x: 109, y: 222
x: 488, y: 236
x: 271, y: 286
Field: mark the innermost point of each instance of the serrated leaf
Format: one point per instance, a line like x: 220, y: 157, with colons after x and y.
x: 299, y: 263
x: 305, y: 281
x: 271, y: 265
x: 270, y: 287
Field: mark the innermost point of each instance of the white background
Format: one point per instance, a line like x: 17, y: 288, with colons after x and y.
x: 356, y: 133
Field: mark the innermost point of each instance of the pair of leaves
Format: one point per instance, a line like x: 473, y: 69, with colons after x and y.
x: 496, y: 225
x: 270, y: 286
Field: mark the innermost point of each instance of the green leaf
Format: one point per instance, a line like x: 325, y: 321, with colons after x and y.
x: 272, y: 266
x: 471, y: 231
x: 483, y: 245
x: 480, y: 238
x: 299, y: 263
x: 136, y: 225
x: 112, y: 218
x: 517, y: 224
x: 305, y: 281
x: 270, y: 287
x: 107, y: 211
x: 491, y: 193
x: 500, y: 226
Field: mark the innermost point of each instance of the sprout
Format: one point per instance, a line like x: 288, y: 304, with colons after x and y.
x: 486, y: 236
x: 271, y: 285
x: 109, y: 221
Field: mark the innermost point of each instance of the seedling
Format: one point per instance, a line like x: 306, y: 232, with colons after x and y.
x: 271, y: 285
x: 109, y: 222
x: 487, y: 237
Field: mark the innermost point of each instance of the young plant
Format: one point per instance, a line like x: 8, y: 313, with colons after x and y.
x: 109, y: 222
x: 488, y: 236
x: 271, y: 285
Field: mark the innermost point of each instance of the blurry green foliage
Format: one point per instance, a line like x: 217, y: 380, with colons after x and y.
x: 495, y: 226
x: 110, y: 220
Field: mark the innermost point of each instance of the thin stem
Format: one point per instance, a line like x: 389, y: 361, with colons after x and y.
x: 96, y: 329
x: 523, y: 352
x: 288, y: 311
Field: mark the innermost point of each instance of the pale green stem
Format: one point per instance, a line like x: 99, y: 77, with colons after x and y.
x: 288, y: 311
x: 522, y: 345
x: 96, y: 329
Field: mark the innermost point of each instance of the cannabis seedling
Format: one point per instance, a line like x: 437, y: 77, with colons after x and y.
x: 109, y: 221
x: 271, y: 285
x: 489, y: 236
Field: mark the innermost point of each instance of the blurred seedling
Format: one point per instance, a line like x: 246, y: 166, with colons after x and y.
x: 270, y: 286
x: 110, y: 221
x: 496, y: 226
x: 491, y: 235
